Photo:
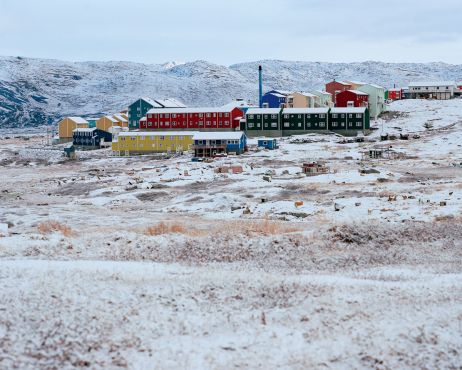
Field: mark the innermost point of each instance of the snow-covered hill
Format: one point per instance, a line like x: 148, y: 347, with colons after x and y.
x: 39, y: 91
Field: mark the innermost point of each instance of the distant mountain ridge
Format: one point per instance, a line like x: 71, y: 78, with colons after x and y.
x: 41, y: 91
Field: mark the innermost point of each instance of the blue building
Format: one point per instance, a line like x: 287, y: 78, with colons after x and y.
x: 274, y: 99
x: 211, y: 144
x: 270, y: 144
x: 90, y: 137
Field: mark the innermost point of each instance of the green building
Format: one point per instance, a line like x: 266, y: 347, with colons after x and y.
x: 303, y: 120
x: 138, y: 110
x: 348, y: 121
x: 376, y: 98
x: 325, y: 98
x: 263, y: 122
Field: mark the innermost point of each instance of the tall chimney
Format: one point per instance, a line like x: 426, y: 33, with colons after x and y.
x: 260, y: 87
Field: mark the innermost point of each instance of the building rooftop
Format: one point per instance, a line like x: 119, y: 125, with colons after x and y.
x: 120, y: 118
x: 264, y: 110
x: 305, y: 111
x: 231, y: 135
x: 170, y: 103
x: 348, y: 110
x: 431, y: 83
x: 224, y: 109
x: 110, y: 118
x: 357, y: 92
x: 78, y: 119
x: 84, y: 129
x: 304, y: 93
x: 158, y: 133
x: 374, y: 86
x: 319, y: 92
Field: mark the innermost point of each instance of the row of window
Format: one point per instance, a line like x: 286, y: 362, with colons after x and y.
x: 427, y: 88
x: 258, y: 125
x: 133, y: 138
x: 358, y: 115
x: 308, y: 124
x: 201, y: 123
x: 274, y: 116
x: 308, y: 116
x: 216, y: 142
x: 184, y: 115
x: 350, y: 124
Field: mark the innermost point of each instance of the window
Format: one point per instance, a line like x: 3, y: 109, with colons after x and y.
x: 167, y: 115
x: 335, y: 116
x: 359, y: 115
x: 201, y: 115
x: 208, y: 115
x: 322, y: 124
x: 334, y: 124
x: 308, y: 124
x: 265, y: 116
x: 258, y: 116
x: 226, y: 123
x: 358, y: 124
x: 161, y: 116
x: 151, y: 137
x: 299, y: 116
x: 133, y: 138
x: 226, y: 114
x: 173, y: 115
x: 250, y: 116
x: 350, y: 116
x: 286, y: 124
x: 274, y: 116
x: 214, y: 114
x: 201, y: 123
x: 220, y: 123
x: 299, y: 124
x: 250, y: 125
x: 322, y: 116
x: 342, y: 116
x: 274, y: 124
x: 171, y: 138
x: 141, y: 137
x: 161, y: 137
x: 150, y: 124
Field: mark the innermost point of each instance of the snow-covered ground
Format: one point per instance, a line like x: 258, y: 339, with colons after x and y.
x: 144, y: 263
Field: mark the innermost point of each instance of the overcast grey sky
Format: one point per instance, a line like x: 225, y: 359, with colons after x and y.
x: 228, y: 32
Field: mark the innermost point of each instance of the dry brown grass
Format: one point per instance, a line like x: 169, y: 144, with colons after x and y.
x: 256, y: 227
x: 224, y: 228
x: 164, y: 228
x: 49, y: 227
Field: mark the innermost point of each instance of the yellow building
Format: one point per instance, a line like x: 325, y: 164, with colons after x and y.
x: 68, y: 125
x: 106, y: 122
x: 121, y: 119
x: 302, y: 100
x: 355, y: 85
x: 137, y: 142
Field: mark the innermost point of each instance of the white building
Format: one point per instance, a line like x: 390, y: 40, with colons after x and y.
x: 440, y: 90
